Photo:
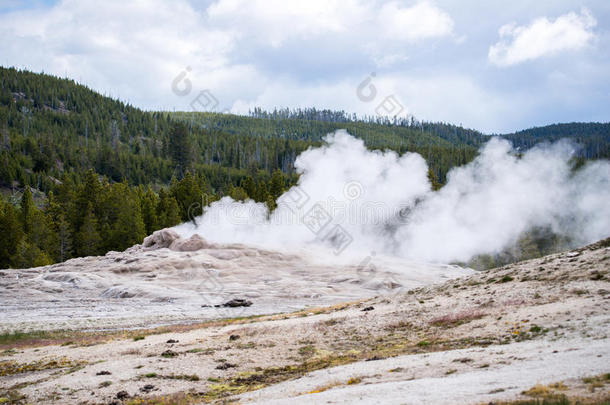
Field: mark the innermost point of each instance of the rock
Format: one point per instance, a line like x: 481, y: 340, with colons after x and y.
x: 233, y: 337
x: 167, y: 238
x: 169, y: 353
x: 119, y: 292
x: 225, y: 366
x: 122, y: 395
x: 160, y: 239
x: 194, y: 243
x: 147, y: 388
x: 103, y: 372
x: 172, y: 341
x: 368, y: 309
x: 235, y: 302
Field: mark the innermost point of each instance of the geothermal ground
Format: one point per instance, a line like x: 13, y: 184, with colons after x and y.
x: 169, y: 280
x: 400, y: 333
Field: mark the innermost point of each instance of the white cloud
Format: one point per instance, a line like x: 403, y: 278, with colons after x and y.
x: 128, y: 49
x: 292, y: 53
x: 421, y: 21
x: 135, y: 49
x: 275, y: 21
x: 542, y: 37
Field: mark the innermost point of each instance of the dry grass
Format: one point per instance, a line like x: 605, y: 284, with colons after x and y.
x: 13, y: 367
x: 598, y: 381
x: 457, y: 318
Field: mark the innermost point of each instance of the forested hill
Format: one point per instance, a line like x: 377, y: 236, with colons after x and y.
x: 51, y: 126
x: 81, y: 173
x: 593, y: 138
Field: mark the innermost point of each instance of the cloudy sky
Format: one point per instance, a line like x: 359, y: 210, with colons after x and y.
x: 488, y: 65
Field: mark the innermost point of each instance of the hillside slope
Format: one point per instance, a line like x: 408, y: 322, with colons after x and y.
x: 51, y: 126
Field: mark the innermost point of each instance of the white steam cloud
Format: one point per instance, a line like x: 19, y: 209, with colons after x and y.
x: 354, y: 201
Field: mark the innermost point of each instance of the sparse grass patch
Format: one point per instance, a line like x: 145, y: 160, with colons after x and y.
x: 579, y: 292
x: 598, y: 381
x: 324, y: 388
x: 354, y: 380
x: 173, y: 399
x: 548, y: 392
x: 307, y: 350
x: 12, y: 397
x: 185, y: 377
x: 458, y: 318
x: 105, y: 384
x: 249, y: 345
x: 331, y: 322
x: 12, y: 367
x: 139, y: 337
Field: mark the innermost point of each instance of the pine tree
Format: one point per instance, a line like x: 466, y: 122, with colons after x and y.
x: 88, y: 196
x: 129, y: 228
x: 11, y: 234
x: 168, y: 212
x: 59, y: 246
x: 270, y: 202
x: 276, y: 185
x: 88, y: 240
x: 179, y: 146
x: 28, y: 255
x: 249, y: 187
x: 188, y: 195
x: 238, y: 193
x: 261, y: 191
x: 64, y: 239
x: 149, y: 211
x: 433, y: 179
x: 27, y: 211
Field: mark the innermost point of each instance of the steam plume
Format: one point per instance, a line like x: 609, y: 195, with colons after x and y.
x: 382, y: 202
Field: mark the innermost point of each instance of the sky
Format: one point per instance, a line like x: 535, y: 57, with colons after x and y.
x: 495, y: 66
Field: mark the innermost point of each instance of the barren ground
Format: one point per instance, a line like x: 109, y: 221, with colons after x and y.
x: 533, y: 329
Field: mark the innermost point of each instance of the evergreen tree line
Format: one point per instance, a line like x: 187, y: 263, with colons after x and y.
x: 97, y: 216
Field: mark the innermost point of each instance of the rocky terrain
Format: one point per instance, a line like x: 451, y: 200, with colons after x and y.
x: 169, y: 279
x: 532, y: 330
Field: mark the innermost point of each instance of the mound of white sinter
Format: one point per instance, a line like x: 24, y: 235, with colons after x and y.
x: 170, y: 279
